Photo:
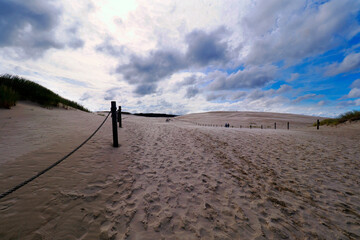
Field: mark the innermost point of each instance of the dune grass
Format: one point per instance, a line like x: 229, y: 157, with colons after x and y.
x: 14, y: 88
x: 8, y: 97
x: 348, y: 116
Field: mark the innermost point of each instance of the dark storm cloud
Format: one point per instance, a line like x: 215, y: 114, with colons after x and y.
x: 250, y: 77
x: 152, y: 68
x: 30, y: 26
x: 145, y: 88
x: 145, y: 71
x: 205, y: 48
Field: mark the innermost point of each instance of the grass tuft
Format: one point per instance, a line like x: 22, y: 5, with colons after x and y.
x: 348, y: 116
x: 28, y: 90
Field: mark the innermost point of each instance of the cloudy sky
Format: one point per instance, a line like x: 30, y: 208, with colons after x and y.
x: 184, y: 56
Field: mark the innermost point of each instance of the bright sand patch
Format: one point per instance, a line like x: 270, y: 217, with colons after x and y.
x: 178, y: 180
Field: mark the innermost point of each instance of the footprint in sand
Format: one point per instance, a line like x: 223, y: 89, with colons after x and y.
x: 152, y: 197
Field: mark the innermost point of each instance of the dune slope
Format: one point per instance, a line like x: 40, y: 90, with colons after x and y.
x: 177, y: 180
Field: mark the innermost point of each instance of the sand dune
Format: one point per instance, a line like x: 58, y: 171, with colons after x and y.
x: 256, y: 119
x: 178, y: 180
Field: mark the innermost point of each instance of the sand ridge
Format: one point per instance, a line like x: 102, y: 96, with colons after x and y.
x: 255, y: 119
x: 177, y: 180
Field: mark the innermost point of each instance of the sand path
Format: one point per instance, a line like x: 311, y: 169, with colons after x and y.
x: 181, y: 181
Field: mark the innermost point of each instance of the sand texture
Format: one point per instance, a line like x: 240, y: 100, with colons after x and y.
x: 178, y: 180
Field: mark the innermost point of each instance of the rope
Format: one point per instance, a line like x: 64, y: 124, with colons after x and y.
x: 51, y: 166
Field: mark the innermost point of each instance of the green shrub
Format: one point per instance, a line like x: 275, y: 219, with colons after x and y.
x: 348, y: 116
x: 8, y: 97
x: 28, y: 90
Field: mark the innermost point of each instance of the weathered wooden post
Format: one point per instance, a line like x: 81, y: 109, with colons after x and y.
x: 274, y: 125
x: 317, y: 124
x: 119, y: 117
x: 288, y: 125
x: 114, y: 127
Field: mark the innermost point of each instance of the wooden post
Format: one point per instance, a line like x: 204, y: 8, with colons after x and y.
x: 288, y: 125
x: 119, y: 117
x: 317, y: 124
x: 274, y: 125
x: 114, y: 128
x: 250, y: 126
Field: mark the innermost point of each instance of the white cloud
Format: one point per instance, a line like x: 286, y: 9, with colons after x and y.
x: 31, y: 28
x: 350, y: 63
x: 187, y: 56
x: 284, y: 88
x: 293, y: 77
x: 305, y: 97
x: 321, y: 103
x: 356, y: 84
x: 292, y: 30
x: 354, y: 93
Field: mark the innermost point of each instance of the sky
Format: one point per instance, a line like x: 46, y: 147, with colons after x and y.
x: 187, y: 56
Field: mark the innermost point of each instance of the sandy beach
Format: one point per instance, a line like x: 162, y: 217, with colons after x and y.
x: 178, y: 179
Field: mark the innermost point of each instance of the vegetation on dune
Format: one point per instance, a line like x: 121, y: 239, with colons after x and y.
x: 348, y: 116
x: 14, y: 88
x: 328, y: 121
x: 8, y: 97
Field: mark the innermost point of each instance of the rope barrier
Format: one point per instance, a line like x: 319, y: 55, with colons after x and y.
x: 53, y: 165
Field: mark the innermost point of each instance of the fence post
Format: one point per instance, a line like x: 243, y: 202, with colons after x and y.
x: 274, y: 125
x: 114, y: 127
x: 119, y: 117
x: 288, y: 125
x: 317, y: 124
